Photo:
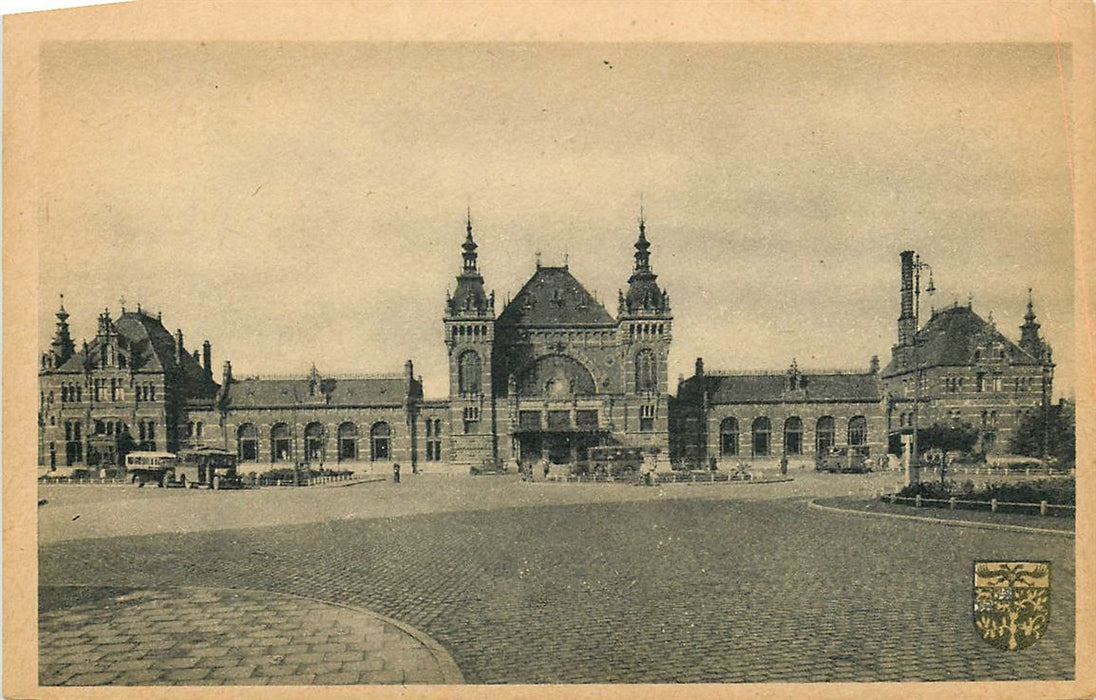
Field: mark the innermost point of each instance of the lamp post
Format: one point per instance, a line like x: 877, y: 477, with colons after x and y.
x: 915, y: 456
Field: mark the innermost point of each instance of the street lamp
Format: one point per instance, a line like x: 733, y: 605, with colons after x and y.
x: 918, y: 266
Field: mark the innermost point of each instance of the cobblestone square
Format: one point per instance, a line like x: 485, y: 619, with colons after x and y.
x: 704, y: 584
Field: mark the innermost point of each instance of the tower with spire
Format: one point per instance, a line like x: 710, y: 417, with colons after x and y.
x: 1030, y: 340
x: 469, y: 338
x: 645, y: 329
x: 62, y: 347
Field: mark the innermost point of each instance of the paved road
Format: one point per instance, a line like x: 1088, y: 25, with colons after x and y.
x: 665, y: 590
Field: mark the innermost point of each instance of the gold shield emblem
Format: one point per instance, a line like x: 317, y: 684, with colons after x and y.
x: 1011, y: 602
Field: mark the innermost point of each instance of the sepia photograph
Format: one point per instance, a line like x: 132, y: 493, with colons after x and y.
x: 504, y: 359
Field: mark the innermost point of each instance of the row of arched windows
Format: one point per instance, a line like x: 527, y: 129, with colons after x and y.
x: 282, y: 446
x: 760, y: 436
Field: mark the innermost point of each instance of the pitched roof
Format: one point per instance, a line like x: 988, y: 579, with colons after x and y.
x: 952, y: 337
x: 774, y: 388
x: 553, y: 297
x: 304, y: 392
x: 149, y: 347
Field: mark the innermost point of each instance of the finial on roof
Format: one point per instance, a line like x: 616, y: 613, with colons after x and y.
x: 970, y: 300
x: 566, y: 259
x: 538, y: 259
x: 122, y: 302
x: 468, y: 221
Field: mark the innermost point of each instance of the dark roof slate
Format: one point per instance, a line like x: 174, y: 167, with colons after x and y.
x: 774, y: 388
x: 304, y: 392
x: 553, y: 297
x: 149, y: 347
x: 952, y: 336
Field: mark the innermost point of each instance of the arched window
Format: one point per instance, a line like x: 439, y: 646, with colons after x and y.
x: 247, y: 443
x: 858, y: 431
x: 793, y: 436
x: 379, y: 441
x: 280, y: 443
x: 348, y: 442
x: 728, y: 437
x: 762, y: 434
x: 469, y: 373
x: 313, y: 443
x: 824, y: 435
x: 646, y: 370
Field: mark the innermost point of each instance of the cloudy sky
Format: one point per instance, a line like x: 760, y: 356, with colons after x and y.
x: 304, y: 202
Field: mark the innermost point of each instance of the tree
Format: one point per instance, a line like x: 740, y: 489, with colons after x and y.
x: 947, y: 437
x: 1049, y: 432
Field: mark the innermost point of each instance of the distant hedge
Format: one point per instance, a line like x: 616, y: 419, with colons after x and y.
x: 1061, y: 492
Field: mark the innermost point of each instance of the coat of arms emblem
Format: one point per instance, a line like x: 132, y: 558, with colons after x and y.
x: 1011, y: 602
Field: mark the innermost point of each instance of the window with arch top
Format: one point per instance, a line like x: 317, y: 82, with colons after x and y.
x: 469, y: 373
x: 762, y: 434
x: 646, y: 370
x: 728, y: 437
x: 793, y: 436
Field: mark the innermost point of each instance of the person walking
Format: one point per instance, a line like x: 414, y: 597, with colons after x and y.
x: 396, y: 473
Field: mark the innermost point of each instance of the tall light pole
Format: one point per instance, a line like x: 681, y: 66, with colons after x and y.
x: 918, y: 373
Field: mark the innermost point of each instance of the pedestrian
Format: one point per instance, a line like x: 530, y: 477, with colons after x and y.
x: 547, y: 466
x: 784, y: 465
x: 396, y: 473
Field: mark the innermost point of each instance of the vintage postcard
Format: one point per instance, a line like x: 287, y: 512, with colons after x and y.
x: 514, y: 349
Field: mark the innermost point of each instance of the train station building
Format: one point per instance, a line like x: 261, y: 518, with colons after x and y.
x: 551, y: 376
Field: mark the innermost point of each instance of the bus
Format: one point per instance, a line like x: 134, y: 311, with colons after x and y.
x: 207, y: 467
x: 151, y: 468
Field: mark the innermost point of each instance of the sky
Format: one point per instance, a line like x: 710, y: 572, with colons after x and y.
x: 300, y: 203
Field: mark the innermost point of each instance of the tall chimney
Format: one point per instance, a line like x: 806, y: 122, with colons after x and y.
x: 207, y: 358
x: 906, y: 329
x: 226, y: 374
x: 179, y: 347
x: 699, y: 367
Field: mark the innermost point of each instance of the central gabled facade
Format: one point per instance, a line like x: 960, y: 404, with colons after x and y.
x: 555, y: 374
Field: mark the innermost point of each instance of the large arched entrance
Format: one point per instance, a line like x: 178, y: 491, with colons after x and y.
x: 552, y: 424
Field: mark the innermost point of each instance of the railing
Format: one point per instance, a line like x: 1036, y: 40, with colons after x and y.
x: 994, y: 505
x: 996, y: 470
x: 304, y: 481
x: 80, y: 481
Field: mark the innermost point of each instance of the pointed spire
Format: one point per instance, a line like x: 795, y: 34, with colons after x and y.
x: 471, y: 265
x: 642, y: 255
x: 1030, y: 315
x: 62, y: 346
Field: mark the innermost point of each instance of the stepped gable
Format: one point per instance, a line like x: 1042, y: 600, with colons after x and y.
x: 773, y: 388
x: 553, y: 297
x: 952, y: 336
x: 304, y: 392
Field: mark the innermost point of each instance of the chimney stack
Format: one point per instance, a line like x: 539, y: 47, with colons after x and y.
x: 409, y: 369
x: 873, y: 368
x: 179, y: 347
x: 207, y: 358
x: 906, y: 329
x: 699, y: 367
x: 226, y: 374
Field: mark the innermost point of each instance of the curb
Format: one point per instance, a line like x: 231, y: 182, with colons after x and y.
x: 944, y: 521
x: 448, y: 666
